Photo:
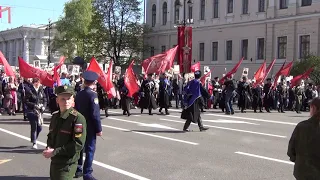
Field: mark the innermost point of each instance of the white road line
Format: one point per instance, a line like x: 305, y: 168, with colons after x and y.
x: 220, y: 121
x: 152, y: 135
x: 106, y: 166
x: 230, y: 129
x: 266, y: 158
x: 144, y: 124
x: 246, y: 118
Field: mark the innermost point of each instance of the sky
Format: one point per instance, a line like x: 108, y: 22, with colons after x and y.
x: 26, y: 12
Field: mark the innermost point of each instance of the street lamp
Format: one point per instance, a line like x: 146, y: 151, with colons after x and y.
x: 49, y: 27
x: 185, y: 22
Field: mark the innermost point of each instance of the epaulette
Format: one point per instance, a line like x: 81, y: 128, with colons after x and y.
x: 74, y: 112
x: 55, y: 112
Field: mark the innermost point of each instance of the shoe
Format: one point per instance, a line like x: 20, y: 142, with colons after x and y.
x: 186, y: 130
x: 34, y: 146
x: 203, y: 129
x: 78, y: 174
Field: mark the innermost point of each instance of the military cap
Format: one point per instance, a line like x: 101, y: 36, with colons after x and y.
x: 64, y: 90
x: 197, y: 74
x: 90, y: 76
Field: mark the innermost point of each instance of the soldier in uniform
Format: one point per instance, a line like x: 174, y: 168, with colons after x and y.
x: 147, y: 100
x: 87, y: 104
x: 244, y: 94
x: 257, y: 98
x: 298, y: 92
x: 267, y: 92
x: 66, y: 138
x: 281, y: 95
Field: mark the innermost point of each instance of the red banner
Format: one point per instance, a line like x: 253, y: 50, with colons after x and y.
x: 189, y: 42
x: 300, y: 77
x: 195, y: 67
x: 7, y: 68
x: 269, y: 69
x: 260, y: 74
x: 181, y: 44
x: 233, y: 70
x: 130, y: 81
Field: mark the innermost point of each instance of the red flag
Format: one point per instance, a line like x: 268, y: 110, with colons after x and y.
x: 28, y: 71
x: 130, y: 81
x: 300, y: 77
x: 189, y: 42
x: 7, y: 68
x: 195, y: 67
x: 203, y: 78
x: 260, y: 74
x: 159, y: 63
x: 275, y: 81
x: 286, y: 70
x: 181, y: 44
x: 233, y: 70
x: 269, y: 69
x: 56, y: 76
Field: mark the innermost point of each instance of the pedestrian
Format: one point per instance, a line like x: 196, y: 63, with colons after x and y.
x: 66, y: 138
x: 35, y: 101
x: 304, y: 145
x: 87, y: 104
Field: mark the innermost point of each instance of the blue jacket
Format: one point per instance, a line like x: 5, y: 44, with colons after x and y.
x: 87, y: 104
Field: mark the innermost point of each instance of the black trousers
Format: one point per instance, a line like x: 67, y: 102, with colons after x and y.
x: 188, y: 122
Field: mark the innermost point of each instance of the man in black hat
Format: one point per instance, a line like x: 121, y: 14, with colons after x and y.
x: 87, y: 104
x: 148, y: 100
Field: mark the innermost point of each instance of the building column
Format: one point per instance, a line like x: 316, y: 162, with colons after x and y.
x: 292, y: 41
x: 26, y: 49
x: 270, y: 42
x: 271, y: 8
x: 158, y: 13
x: 17, y: 52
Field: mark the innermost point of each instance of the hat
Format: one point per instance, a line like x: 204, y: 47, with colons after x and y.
x: 64, y: 90
x: 90, y: 76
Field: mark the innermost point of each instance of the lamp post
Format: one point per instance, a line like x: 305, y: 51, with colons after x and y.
x: 185, y: 22
x: 49, y: 27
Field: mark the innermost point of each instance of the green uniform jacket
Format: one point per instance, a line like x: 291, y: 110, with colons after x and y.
x: 304, y: 149
x: 67, y: 136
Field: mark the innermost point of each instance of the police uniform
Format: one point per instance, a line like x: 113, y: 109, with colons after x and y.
x: 87, y: 104
x: 67, y: 135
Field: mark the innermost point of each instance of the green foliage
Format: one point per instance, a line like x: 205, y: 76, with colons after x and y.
x: 73, y: 28
x: 302, y: 66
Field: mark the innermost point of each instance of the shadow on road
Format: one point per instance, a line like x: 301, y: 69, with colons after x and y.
x: 22, y: 178
x: 20, y: 149
x: 157, y: 131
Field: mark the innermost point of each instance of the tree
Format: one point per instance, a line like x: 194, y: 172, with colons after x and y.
x: 73, y: 28
x: 302, y: 66
x: 125, y: 33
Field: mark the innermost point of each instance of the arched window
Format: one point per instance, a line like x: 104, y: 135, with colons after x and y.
x: 164, y: 13
x: 176, y: 11
x: 154, y: 15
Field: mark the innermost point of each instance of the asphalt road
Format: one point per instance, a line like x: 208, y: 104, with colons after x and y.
x: 239, y: 147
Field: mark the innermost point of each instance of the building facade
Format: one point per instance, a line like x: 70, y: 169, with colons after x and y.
x: 224, y: 31
x: 29, y: 42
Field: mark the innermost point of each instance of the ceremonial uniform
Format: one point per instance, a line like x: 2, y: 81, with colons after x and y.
x: 67, y: 135
x: 267, y: 100
x: 244, y: 94
x: 281, y: 94
x: 87, y: 104
x: 147, y: 100
x: 257, y: 98
x: 298, y: 97
x: 125, y: 100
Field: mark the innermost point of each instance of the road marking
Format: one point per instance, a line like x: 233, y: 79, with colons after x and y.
x: 266, y: 158
x: 245, y: 118
x: 5, y: 161
x: 229, y: 121
x: 94, y: 162
x: 144, y: 124
x: 220, y: 121
x: 230, y: 129
x: 152, y: 135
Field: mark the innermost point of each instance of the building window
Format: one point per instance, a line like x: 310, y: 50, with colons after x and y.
x: 190, y: 12
x: 244, y: 48
x: 154, y: 15
x: 306, y: 2
x: 283, y: 4
x: 260, y: 45
x: 163, y: 49
x: 176, y: 12
x: 164, y: 13
x: 261, y: 5
x: 215, y: 8
x: 202, y: 9
x: 230, y: 6
x: 201, y: 52
x: 151, y: 51
x: 229, y: 50
x: 304, y: 46
x: 245, y: 6
x: 214, y: 51
x: 282, y: 47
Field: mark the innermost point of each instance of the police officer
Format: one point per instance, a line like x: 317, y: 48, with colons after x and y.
x: 87, y: 103
x: 66, y: 138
